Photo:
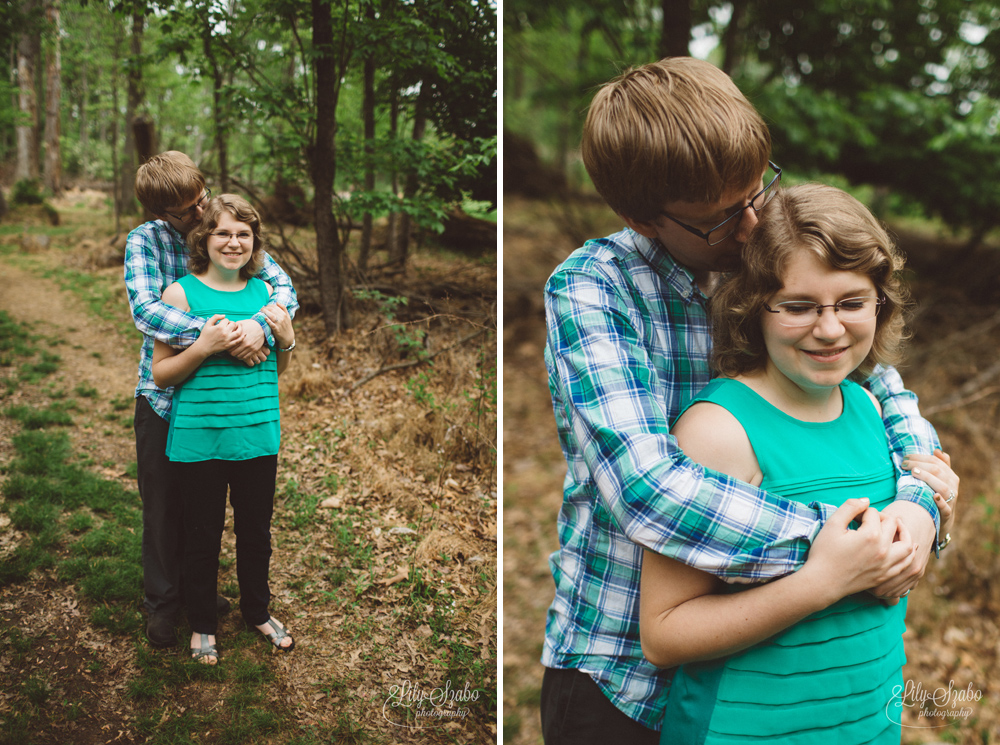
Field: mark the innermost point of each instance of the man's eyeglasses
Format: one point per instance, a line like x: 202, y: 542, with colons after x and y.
x: 189, y: 212
x: 799, y: 313
x: 728, y: 226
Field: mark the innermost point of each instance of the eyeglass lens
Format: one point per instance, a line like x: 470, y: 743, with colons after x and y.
x: 189, y: 212
x: 727, y: 228
x: 798, y: 313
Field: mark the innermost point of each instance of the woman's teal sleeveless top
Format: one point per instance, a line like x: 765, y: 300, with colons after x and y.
x: 831, y: 677
x: 225, y: 410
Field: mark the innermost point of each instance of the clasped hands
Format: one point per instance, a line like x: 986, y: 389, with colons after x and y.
x: 245, y: 339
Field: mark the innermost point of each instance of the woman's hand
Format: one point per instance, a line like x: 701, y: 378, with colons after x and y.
x: 935, y: 471
x: 218, y: 334
x: 847, y: 561
x: 281, y: 324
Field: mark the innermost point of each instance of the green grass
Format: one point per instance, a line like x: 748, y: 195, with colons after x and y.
x: 85, y: 391
x: 103, y: 295
x: 301, y: 507
x: 32, y: 418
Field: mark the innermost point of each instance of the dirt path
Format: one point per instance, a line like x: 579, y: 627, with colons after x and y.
x: 94, y: 355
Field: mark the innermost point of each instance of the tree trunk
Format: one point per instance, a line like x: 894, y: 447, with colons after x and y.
x: 219, y: 112
x: 734, y: 40
x: 116, y: 62
x: 368, y: 117
x: 676, y: 30
x: 402, y: 247
x: 28, y: 52
x: 135, y: 96
x: 324, y: 164
x: 84, y: 129
x: 53, y: 91
x: 392, y: 236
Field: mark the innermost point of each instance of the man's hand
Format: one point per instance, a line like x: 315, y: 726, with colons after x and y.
x: 935, y: 471
x: 280, y: 323
x: 250, y: 348
x: 921, y: 527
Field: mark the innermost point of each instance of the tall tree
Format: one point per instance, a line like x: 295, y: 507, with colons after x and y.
x: 330, y: 64
x: 133, y: 103
x: 53, y: 84
x: 675, y: 35
x: 368, y: 120
x: 29, y: 50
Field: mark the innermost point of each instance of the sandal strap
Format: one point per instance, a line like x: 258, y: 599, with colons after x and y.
x: 279, y: 632
x: 205, y: 650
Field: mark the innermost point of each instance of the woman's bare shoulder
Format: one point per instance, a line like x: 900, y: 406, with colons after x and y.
x: 174, y: 295
x: 710, y: 435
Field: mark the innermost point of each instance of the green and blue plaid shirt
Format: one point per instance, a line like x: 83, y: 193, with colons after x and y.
x: 156, y: 256
x: 628, y: 347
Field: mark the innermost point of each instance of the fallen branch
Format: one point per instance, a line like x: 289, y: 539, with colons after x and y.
x: 973, y: 390
x: 414, y: 363
x: 955, y: 403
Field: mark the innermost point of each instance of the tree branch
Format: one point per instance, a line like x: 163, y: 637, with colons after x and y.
x: 414, y: 363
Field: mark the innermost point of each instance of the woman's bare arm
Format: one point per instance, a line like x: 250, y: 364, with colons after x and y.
x: 684, y: 616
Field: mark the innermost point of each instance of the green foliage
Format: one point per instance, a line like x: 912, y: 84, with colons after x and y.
x: 34, y: 418
x: 904, y: 95
x: 27, y: 191
x: 410, y: 340
x: 417, y: 385
x: 301, y: 507
x: 40, y: 453
x: 441, y: 167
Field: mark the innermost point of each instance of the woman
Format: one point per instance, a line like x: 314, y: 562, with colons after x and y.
x: 808, y: 658
x: 224, y: 427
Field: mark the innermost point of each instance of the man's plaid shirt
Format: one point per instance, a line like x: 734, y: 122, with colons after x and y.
x: 156, y: 256
x: 628, y: 347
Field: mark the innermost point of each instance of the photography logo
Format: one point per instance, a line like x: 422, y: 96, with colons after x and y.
x: 414, y: 707
x: 928, y: 705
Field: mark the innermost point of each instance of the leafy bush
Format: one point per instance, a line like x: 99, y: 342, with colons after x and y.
x: 27, y: 191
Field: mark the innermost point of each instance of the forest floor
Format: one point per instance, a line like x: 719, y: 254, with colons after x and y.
x: 384, y: 535
x: 952, y: 677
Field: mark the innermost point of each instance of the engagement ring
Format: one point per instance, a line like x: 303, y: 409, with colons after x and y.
x: 951, y: 496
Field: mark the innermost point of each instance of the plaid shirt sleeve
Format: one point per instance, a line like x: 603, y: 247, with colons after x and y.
x: 145, y: 282
x: 284, y: 293
x: 908, y: 432
x: 613, y: 399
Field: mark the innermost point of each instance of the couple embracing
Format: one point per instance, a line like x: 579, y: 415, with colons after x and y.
x: 751, y: 491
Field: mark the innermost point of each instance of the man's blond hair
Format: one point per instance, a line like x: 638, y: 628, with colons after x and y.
x: 168, y: 180
x: 674, y: 130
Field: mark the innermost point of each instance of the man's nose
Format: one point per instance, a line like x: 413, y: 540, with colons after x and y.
x: 748, y: 221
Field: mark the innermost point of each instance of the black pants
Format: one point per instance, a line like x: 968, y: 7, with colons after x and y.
x: 203, y: 488
x: 162, y: 534
x: 576, y: 712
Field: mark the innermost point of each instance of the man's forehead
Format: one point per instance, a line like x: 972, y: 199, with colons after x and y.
x: 187, y: 203
x: 703, y: 210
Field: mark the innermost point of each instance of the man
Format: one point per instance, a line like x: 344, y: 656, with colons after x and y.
x: 173, y: 189
x: 681, y: 155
